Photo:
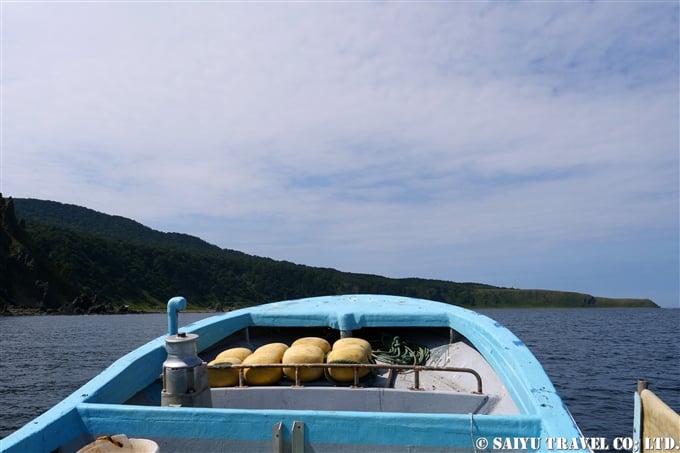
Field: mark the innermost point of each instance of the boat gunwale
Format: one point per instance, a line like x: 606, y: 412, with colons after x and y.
x: 241, y: 421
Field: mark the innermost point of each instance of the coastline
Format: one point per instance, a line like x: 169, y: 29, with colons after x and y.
x: 26, y: 311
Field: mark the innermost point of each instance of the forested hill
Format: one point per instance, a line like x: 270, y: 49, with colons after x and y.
x: 88, y: 221
x: 56, y: 257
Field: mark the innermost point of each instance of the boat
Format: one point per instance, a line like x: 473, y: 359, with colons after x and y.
x: 656, y: 426
x: 434, y: 378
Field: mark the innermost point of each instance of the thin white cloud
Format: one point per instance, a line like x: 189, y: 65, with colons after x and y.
x: 336, y: 133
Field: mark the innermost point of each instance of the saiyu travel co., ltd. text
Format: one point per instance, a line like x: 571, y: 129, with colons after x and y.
x: 575, y: 443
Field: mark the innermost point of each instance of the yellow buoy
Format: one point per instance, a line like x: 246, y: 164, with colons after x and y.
x: 303, y: 353
x: 342, y: 342
x: 347, y: 353
x: 239, y: 353
x: 223, y: 377
x: 273, y: 348
x: 262, y: 376
x: 319, y: 342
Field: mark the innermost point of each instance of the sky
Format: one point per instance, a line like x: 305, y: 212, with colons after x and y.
x: 518, y: 144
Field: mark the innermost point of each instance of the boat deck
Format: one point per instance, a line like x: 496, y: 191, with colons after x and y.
x: 347, y: 399
x: 434, y: 389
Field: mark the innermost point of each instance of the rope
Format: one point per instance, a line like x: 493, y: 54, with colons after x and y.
x: 112, y: 440
x: 400, y: 352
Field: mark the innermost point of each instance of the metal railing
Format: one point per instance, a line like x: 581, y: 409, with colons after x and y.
x: 416, y: 369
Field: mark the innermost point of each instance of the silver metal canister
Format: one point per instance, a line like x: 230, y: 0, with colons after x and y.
x: 185, y: 375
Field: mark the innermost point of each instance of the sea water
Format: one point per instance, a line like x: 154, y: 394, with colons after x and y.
x: 593, y: 356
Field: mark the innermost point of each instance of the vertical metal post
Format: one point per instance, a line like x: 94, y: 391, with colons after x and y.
x: 298, y: 437
x: 241, y: 377
x: 637, y: 416
x: 641, y: 385
x: 277, y: 438
x: 356, y: 377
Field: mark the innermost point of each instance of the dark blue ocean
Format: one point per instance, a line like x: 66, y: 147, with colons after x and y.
x: 593, y: 356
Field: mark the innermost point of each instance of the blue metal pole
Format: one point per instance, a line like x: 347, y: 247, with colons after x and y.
x: 174, y: 306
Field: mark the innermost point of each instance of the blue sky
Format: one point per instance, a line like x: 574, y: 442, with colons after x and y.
x: 520, y: 144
